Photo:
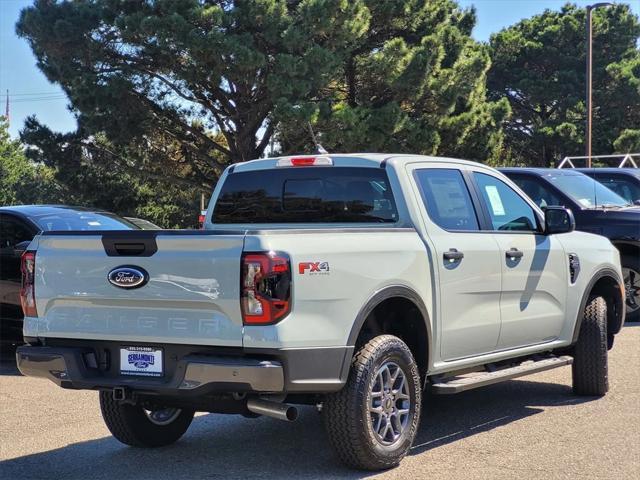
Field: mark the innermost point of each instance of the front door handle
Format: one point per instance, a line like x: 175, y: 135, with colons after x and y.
x: 513, y: 253
x: 452, y: 255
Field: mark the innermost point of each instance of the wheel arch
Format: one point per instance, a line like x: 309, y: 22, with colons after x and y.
x: 608, y: 284
x: 373, y: 317
x: 627, y: 247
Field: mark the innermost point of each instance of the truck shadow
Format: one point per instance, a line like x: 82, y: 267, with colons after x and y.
x: 219, y: 446
x: 540, y: 256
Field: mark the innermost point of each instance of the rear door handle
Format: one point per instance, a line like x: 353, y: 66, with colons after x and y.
x: 453, y: 255
x: 513, y: 253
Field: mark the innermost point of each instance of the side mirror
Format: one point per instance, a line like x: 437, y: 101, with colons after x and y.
x: 20, y: 248
x: 558, y: 220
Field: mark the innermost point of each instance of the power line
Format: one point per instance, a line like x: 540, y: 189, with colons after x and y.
x: 34, y: 97
x: 31, y: 99
x: 37, y: 100
x: 52, y: 92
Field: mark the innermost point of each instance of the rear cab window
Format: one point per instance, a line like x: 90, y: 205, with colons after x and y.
x: 306, y: 195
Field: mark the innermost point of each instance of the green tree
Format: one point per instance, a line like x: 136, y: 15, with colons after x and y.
x: 126, y: 180
x: 136, y: 67
x: 400, y: 75
x: 415, y: 82
x: 22, y: 181
x: 539, y: 66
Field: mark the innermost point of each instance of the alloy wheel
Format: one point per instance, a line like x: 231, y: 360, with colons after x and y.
x: 390, y: 403
x: 632, y: 287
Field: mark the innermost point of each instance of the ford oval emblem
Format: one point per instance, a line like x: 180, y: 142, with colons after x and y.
x: 128, y: 277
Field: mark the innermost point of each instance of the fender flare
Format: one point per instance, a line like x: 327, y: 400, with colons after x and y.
x: 599, y: 275
x: 392, y: 291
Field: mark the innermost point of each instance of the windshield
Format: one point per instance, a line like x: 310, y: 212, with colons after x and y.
x: 587, y: 192
x: 67, y: 220
x: 623, y: 187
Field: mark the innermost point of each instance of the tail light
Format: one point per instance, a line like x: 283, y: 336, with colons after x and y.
x: 28, y: 290
x: 304, y: 161
x: 265, y: 287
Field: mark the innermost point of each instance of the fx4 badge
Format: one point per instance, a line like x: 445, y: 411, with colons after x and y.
x: 313, y: 268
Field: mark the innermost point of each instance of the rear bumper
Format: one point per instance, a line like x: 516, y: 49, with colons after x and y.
x: 190, y: 372
x: 67, y: 368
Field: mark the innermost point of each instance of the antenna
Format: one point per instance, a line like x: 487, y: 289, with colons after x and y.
x: 6, y: 111
x: 319, y: 148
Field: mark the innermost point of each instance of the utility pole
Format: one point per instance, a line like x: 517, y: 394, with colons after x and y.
x: 6, y: 110
x: 590, y: 8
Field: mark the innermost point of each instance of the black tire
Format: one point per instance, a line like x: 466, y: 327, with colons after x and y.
x: 590, y: 362
x: 631, y: 271
x: 348, y: 421
x: 132, y: 426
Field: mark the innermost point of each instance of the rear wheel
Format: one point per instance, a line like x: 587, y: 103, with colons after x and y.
x: 590, y: 362
x: 138, y: 427
x: 373, y: 420
x: 631, y: 275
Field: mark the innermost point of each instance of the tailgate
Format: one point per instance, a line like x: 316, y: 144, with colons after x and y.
x: 190, y: 296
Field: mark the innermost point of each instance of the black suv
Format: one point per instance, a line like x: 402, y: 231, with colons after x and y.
x: 18, y: 226
x: 597, y: 209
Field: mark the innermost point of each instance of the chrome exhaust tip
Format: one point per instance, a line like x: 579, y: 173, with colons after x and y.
x: 281, y: 411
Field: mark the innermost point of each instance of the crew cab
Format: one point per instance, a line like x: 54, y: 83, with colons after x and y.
x: 352, y: 282
x: 597, y: 209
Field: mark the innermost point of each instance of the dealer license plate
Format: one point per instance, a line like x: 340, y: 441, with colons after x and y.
x: 145, y: 361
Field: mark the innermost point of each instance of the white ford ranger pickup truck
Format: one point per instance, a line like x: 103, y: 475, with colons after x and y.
x: 356, y: 283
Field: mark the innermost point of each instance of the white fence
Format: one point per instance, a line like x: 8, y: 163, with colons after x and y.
x: 620, y: 161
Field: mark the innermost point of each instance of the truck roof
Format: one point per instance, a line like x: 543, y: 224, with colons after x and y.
x: 635, y: 172
x: 45, y: 210
x: 349, y: 160
x: 543, y: 172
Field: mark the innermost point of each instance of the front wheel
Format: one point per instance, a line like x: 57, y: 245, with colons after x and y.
x: 135, y: 426
x: 372, y: 421
x: 590, y: 361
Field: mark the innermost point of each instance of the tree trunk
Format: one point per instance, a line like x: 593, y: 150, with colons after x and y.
x: 351, y: 82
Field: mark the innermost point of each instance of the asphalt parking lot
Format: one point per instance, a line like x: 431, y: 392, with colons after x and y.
x: 528, y: 429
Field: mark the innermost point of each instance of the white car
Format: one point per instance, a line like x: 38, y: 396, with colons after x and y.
x: 351, y: 282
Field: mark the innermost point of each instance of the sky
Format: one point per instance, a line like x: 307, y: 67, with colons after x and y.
x: 30, y: 93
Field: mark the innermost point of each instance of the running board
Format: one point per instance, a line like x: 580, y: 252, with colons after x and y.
x: 481, y: 379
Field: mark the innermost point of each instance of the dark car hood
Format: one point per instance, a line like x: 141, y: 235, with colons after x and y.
x: 631, y: 208
x: 621, y: 223
x: 624, y: 215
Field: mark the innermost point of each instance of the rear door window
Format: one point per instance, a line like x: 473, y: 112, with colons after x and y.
x: 12, y: 232
x: 446, y: 198
x: 306, y: 195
